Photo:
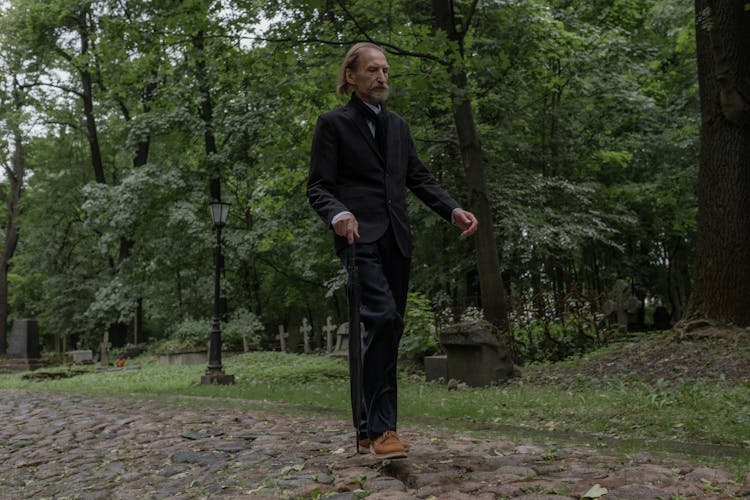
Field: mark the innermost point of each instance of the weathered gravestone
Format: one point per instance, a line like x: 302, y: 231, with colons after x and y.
x: 436, y: 367
x: 305, y: 330
x: 81, y: 356
x: 622, y: 304
x: 24, y: 349
x: 475, y: 355
x: 281, y: 337
x: 24, y: 340
x: 104, y: 346
x: 328, y: 330
x: 342, y: 339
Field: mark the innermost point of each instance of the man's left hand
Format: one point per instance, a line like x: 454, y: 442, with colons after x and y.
x: 466, y: 221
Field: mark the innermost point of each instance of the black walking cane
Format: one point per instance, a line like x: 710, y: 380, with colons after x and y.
x: 355, y: 342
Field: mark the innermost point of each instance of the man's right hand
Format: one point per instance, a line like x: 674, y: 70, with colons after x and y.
x: 347, y: 227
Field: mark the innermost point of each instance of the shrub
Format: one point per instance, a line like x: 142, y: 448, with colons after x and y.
x: 196, y: 333
x: 420, y: 336
x: 242, y: 322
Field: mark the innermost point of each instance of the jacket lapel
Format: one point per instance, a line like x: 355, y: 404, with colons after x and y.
x: 364, y: 129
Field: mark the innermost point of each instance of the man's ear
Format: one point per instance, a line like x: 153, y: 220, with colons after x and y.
x: 349, y: 76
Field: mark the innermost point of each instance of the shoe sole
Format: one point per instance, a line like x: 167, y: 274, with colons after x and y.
x: 394, y: 454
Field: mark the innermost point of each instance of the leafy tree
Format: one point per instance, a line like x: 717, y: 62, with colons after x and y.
x: 721, y: 288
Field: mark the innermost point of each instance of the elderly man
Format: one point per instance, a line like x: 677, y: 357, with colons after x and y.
x: 362, y: 160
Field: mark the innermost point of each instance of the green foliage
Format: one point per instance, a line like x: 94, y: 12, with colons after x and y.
x: 242, y: 324
x: 420, y: 337
x: 587, y: 114
x: 191, y: 334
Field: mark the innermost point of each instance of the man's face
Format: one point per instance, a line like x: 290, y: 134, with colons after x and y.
x: 370, y: 78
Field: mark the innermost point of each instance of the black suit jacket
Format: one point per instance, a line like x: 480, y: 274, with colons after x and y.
x: 348, y: 172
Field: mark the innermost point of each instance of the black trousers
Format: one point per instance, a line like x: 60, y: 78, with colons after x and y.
x: 384, y: 282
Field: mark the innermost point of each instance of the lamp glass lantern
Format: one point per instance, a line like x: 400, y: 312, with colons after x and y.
x: 219, y: 213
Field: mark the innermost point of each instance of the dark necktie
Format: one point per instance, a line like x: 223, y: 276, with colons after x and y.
x: 378, y: 120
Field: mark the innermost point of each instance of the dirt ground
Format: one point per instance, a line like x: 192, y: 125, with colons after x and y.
x: 698, y: 352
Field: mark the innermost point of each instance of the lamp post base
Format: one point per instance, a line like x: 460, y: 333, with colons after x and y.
x: 217, y: 377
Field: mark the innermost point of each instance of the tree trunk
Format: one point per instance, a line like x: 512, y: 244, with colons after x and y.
x: 15, y: 177
x: 721, y: 289
x: 492, y: 289
x: 207, y: 115
x: 87, y: 95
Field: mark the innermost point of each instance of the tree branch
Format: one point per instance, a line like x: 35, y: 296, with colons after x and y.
x: 393, y: 48
x: 467, y: 21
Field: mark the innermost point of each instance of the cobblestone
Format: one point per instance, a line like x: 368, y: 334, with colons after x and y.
x: 56, y: 445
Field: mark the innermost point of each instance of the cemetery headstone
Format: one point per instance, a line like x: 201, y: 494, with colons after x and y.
x: 616, y: 305
x: 475, y: 355
x: 104, y: 348
x: 342, y: 341
x: 281, y: 337
x: 329, y: 329
x: 23, y: 342
x: 305, y: 329
x: 81, y: 356
x: 622, y: 304
x: 436, y: 367
x: 24, y: 349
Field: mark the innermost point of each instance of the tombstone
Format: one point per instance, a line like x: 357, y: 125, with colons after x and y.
x: 281, y: 337
x: 621, y: 304
x: 24, y: 349
x: 305, y: 329
x: 81, y: 356
x: 616, y: 304
x: 23, y: 342
x: 342, y: 341
x: 328, y: 331
x: 661, y: 318
x: 104, y: 347
x: 475, y: 355
x: 436, y: 367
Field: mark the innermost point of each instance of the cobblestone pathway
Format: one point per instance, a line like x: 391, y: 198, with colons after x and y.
x: 56, y: 445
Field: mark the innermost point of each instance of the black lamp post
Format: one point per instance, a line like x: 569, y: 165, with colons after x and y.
x: 215, y: 373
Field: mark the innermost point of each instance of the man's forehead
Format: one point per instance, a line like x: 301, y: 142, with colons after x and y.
x: 372, y: 57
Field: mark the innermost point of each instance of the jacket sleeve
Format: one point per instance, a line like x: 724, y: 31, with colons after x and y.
x: 322, y: 188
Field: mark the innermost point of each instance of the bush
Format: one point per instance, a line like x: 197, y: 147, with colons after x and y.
x: 195, y: 333
x: 420, y: 336
x: 191, y: 333
x: 242, y: 322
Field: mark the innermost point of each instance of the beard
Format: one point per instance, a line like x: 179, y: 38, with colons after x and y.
x: 378, y: 95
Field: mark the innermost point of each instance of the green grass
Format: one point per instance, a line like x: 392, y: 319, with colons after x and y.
x: 707, y: 419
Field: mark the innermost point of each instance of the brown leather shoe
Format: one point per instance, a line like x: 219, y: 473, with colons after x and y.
x: 388, y: 445
x: 364, y: 446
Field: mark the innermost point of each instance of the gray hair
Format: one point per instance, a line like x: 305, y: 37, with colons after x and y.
x: 350, y: 62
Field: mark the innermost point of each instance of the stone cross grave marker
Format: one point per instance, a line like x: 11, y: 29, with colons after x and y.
x: 281, y: 337
x: 104, y: 347
x: 329, y: 329
x: 306, y: 329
